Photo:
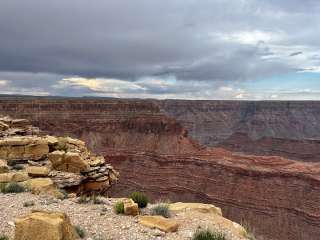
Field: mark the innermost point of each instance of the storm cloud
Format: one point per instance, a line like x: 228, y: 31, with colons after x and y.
x: 149, y: 48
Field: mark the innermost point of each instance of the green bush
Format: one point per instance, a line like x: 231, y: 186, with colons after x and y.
x: 81, y: 233
x: 139, y: 198
x: 12, y: 187
x: 161, y: 209
x: 4, y: 237
x: 119, y: 207
x: 206, y: 234
x: 2, y: 187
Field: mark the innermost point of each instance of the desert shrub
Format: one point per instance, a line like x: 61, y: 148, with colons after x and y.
x: 13, y: 187
x: 249, y: 230
x: 81, y: 233
x: 28, y: 204
x: 139, y: 198
x: 83, y: 199
x: 2, y: 187
x: 161, y: 209
x: 4, y: 237
x: 206, y: 234
x: 119, y: 207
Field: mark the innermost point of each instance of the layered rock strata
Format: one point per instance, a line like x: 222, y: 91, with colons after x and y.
x: 275, y: 196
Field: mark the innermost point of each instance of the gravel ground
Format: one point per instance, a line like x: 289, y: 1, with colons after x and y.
x: 98, y: 220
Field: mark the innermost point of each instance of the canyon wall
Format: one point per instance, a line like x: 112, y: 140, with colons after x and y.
x: 152, y: 151
x: 134, y: 125
x: 282, y: 128
x: 279, y: 198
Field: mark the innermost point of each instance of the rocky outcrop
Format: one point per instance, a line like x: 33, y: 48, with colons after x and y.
x: 51, y: 161
x: 40, y: 225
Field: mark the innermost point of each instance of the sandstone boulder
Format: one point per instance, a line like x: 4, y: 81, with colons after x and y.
x: 130, y: 207
x: 13, y: 177
x: 68, y: 162
x: 199, y: 207
x: 3, y: 166
x: 35, y: 171
x: 40, y: 225
x: 215, y: 220
x: 159, y: 222
x: 43, y: 186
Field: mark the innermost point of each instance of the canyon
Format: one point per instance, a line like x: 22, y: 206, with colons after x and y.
x: 282, y: 128
x: 258, y: 161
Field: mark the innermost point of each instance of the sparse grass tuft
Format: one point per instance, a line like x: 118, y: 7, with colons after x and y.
x: 81, y: 233
x: 83, y: 199
x: 161, y: 209
x: 139, y: 198
x: 206, y: 234
x: 4, y: 237
x: 12, y: 187
x: 250, y: 232
x: 119, y: 207
x: 96, y: 199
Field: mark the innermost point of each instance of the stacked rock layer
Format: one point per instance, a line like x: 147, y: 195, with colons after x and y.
x: 26, y: 154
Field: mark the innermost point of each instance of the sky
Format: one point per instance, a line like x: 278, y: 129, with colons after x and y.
x: 177, y: 49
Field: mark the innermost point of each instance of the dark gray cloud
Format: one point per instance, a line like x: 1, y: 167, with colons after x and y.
x: 43, y: 42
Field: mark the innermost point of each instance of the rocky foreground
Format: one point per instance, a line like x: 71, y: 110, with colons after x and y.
x: 99, y: 221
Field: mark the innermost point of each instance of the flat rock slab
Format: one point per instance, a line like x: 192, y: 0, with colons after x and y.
x: 199, y: 207
x: 13, y: 177
x: 34, y: 171
x: 159, y: 222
